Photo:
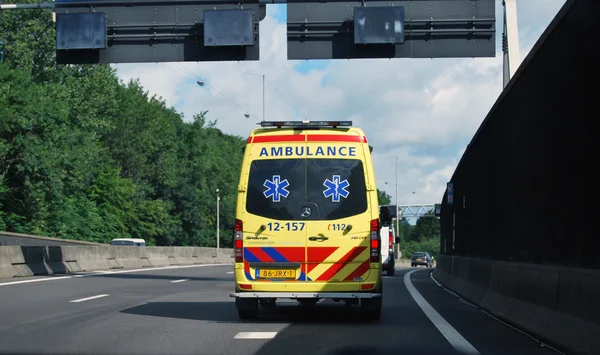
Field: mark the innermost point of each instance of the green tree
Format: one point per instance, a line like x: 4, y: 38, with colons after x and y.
x: 407, y: 230
x: 85, y: 156
x: 383, y: 197
x: 427, y: 227
x: 422, y: 237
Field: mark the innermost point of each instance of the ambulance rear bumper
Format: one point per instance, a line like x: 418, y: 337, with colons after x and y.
x: 340, y: 295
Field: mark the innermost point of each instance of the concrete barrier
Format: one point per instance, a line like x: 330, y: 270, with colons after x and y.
x: 10, y: 258
x: 558, y: 305
x: 20, y: 261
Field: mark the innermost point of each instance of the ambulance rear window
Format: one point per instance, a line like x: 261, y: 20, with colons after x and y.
x: 281, y: 188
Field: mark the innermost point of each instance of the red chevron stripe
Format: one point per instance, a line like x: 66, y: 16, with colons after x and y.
x: 260, y: 254
x: 360, y: 270
x: 319, y: 254
x: 293, y: 254
x: 316, y: 255
x: 335, y: 268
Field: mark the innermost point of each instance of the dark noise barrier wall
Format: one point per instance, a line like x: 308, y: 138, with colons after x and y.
x: 521, y: 239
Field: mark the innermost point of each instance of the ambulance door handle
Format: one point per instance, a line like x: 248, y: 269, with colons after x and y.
x: 317, y: 238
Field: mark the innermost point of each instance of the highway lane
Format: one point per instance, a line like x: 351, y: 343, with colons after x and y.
x: 189, y: 311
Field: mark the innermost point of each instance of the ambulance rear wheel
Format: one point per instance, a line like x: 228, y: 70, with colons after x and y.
x: 247, y: 313
x: 247, y: 307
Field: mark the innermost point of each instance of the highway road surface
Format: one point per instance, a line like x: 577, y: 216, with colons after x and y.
x: 188, y: 310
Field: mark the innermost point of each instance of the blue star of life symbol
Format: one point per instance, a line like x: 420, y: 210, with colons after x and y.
x: 276, y: 188
x: 336, y: 188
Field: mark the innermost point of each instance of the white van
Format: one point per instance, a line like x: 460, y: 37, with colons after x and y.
x: 134, y: 242
x: 388, y: 240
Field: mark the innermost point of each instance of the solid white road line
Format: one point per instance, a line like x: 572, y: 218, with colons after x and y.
x: 88, y: 298
x: 35, y: 280
x: 493, y: 317
x: 229, y: 272
x: 98, y: 273
x: 454, y: 338
x: 177, y: 281
x: 255, y: 335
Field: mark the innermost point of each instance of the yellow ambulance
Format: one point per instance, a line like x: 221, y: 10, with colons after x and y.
x: 307, y: 218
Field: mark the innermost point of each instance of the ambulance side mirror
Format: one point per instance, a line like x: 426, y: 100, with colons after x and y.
x: 397, y: 240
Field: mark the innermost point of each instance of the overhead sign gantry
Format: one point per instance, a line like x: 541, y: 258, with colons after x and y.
x: 391, y: 29
x: 135, y: 31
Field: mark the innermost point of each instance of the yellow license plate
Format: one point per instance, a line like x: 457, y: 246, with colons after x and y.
x: 419, y: 259
x: 276, y: 274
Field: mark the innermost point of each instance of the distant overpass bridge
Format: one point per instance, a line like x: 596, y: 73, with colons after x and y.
x: 413, y: 210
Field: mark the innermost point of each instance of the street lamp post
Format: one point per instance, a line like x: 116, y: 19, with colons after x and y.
x: 218, y: 221
x: 397, y: 212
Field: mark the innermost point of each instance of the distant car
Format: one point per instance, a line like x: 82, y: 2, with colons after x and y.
x: 134, y: 242
x: 421, y: 258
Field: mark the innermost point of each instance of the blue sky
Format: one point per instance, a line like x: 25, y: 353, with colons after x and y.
x: 303, y: 67
x: 421, y: 112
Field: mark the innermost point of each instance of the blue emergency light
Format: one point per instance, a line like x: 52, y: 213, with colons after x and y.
x: 301, y: 124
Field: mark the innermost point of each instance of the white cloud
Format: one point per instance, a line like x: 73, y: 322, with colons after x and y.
x: 422, y: 111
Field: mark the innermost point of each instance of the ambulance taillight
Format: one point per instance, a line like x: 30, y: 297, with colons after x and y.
x: 238, y: 241
x: 391, y: 236
x: 375, y: 241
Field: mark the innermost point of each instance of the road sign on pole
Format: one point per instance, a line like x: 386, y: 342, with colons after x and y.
x: 450, y: 193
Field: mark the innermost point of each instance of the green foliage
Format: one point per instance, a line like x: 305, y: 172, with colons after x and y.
x: 432, y: 246
x: 426, y: 228
x: 383, y: 197
x: 84, y: 156
x: 424, y: 236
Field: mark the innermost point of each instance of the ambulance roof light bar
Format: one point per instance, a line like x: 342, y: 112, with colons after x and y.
x: 305, y: 123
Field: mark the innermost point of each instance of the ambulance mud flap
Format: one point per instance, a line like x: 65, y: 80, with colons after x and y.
x: 371, y: 308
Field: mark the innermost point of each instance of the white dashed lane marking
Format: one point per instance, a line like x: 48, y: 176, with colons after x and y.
x: 255, y: 335
x: 92, y: 274
x: 89, y: 298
